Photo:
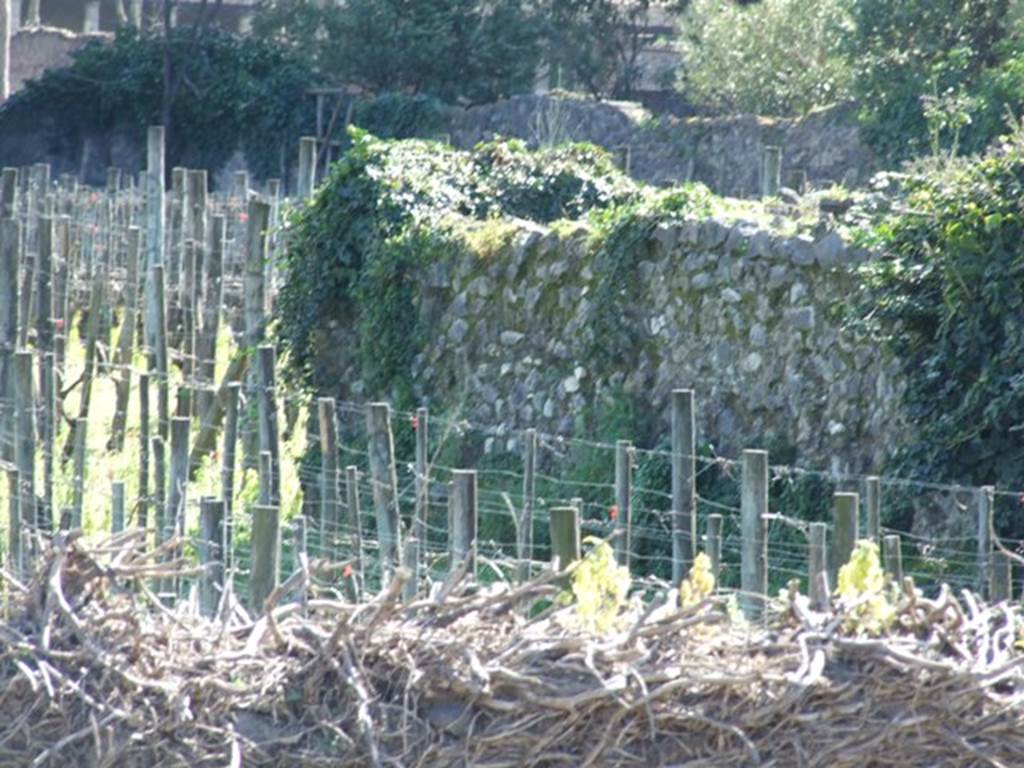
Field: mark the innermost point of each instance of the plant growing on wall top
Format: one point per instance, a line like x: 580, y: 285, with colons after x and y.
x: 388, y: 209
x: 949, y: 305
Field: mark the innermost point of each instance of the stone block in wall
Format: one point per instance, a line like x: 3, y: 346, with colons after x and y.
x: 830, y: 250
x: 800, y: 250
x: 801, y: 318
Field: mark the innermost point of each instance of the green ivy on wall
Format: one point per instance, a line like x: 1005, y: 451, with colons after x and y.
x: 388, y: 211
x: 949, y: 304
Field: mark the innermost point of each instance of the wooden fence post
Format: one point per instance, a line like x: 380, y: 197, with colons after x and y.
x: 255, y: 301
x: 62, y: 291
x: 565, y: 536
x: 81, y: 427
x: 16, y: 553
x: 175, y: 255
x: 228, y: 469
x: 714, y: 546
x: 385, y: 486
x: 411, y: 555
x: 10, y: 235
x: 47, y: 371
x: 206, y: 349
x: 116, y: 506
x: 142, y: 518
x: 174, y: 517
x: 873, y: 502
x: 25, y: 447
x: 1002, y: 578
x: 126, y: 341
x: 266, y: 473
x: 159, y: 449
x: 307, y: 167
x: 524, y: 531
x: 754, y: 545
x: 684, y: 487
x: 817, y: 566
x: 266, y: 553
x: 422, y: 487
x: 330, y: 519
x: 158, y: 357
x: 984, y: 497
x: 893, y: 557
x: 211, y: 554
x: 845, y: 515
x: 462, y: 528
x: 355, y: 524
x: 154, y: 180
x: 623, y: 500
x: 269, y: 436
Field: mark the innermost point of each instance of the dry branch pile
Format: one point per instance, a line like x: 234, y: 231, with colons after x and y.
x: 95, y: 672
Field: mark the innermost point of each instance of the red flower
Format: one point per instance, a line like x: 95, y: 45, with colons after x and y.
x: 415, y: 421
x: 1022, y: 498
x: 243, y: 217
x: 347, y: 573
x: 613, y: 512
x: 59, y: 323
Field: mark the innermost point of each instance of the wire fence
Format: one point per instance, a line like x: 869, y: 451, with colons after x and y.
x: 90, y: 264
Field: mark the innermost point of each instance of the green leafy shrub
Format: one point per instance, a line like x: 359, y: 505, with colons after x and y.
x: 776, y: 57
x: 904, y: 51
x: 949, y: 306
x: 237, y: 92
x: 452, y: 49
x: 388, y: 210
x: 401, y: 116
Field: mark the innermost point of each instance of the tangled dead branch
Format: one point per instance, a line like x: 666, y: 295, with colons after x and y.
x: 94, y: 671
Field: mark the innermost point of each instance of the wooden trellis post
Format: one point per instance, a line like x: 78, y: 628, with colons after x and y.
x: 754, y: 545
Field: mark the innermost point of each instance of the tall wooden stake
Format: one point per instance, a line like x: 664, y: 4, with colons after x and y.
x: 754, y: 544
x: 462, y: 527
x: 623, y: 500
x: 329, y: 525
x: 684, y: 486
x: 385, y: 486
x: 524, y: 532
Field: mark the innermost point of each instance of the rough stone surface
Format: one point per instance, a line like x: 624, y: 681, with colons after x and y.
x: 722, y: 152
x: 753, y: 336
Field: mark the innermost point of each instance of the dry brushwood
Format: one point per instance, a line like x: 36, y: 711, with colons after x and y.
x: 94, y: 671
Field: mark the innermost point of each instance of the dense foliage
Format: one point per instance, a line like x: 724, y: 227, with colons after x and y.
x: 388, y: 209
x: 467, y: 50
x: 910, y: 54
x: 451, y: 49
x: 949, y: 303
x: 775, y: 57
x: 237, y: 92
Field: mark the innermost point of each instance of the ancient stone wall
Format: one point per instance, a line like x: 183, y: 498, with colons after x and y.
x: 744, y: 316
x: 824, y: 147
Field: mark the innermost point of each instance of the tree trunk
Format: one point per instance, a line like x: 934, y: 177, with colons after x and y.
x: 34, y: 19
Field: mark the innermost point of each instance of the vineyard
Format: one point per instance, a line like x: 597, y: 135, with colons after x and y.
x: 206, y: 564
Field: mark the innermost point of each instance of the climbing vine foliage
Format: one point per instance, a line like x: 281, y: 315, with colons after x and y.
x: 391, y: 214
x: 948, y: 302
